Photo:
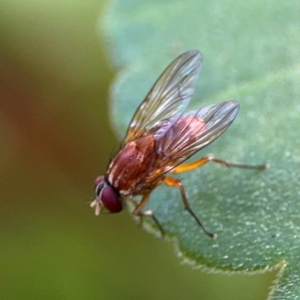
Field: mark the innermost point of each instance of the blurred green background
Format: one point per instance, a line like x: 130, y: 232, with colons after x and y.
x: 56, y: 138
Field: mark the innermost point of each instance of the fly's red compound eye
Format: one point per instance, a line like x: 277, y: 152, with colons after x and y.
x: 106, y: 196
x: 111, y: 200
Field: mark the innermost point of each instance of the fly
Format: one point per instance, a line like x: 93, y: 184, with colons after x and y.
x: 160, y: 138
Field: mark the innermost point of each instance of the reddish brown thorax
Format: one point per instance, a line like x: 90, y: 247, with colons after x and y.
x: 132, y: 165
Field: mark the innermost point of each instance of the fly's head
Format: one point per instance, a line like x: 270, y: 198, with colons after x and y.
x: 106, y: 197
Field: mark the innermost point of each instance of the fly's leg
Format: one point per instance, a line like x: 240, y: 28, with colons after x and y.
x: 135, y: 203
x: 170, y: 181
x: 196, y: 164
x: 148, y: 213
x: 202, y: 161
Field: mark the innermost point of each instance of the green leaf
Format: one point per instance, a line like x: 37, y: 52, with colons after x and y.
x: 251, y: 53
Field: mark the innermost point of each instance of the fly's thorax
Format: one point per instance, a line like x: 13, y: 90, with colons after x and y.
x: 132, y: 165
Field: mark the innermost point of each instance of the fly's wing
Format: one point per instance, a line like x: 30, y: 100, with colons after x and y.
x: 168, y: 97
x: 195, y: 130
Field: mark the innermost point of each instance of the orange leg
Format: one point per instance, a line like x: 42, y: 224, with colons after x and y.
x: 176, y: 183
x: 148, y: 213
x: 198, y: 163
